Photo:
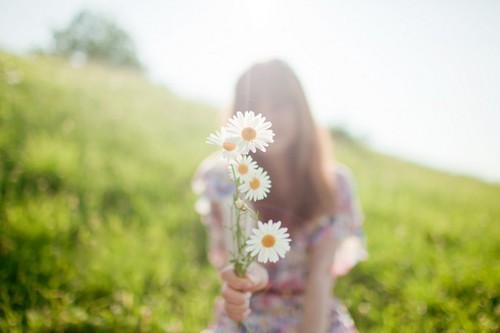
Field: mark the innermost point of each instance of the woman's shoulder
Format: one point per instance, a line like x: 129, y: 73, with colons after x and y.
x: 211, y: 165
x: 211, y: 178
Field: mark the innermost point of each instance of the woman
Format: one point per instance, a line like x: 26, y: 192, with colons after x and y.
x: 311, y: 194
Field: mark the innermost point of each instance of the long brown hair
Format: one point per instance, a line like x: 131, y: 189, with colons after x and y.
x: 308, y: 158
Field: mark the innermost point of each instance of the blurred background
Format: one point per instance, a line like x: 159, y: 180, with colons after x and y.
x: 105, y: 107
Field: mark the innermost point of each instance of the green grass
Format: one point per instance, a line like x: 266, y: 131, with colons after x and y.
x: 98, y: 231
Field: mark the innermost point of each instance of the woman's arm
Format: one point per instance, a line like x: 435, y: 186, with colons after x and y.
x: 319, y: 285
x: 217, y: 253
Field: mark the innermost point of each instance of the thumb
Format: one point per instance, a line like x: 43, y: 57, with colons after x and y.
x: 258, y: 275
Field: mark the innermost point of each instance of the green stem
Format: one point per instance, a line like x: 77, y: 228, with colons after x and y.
x: 244, y: 326
x: 239, y: 267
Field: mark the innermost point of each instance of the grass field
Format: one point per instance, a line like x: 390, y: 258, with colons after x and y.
x: 98, y: 231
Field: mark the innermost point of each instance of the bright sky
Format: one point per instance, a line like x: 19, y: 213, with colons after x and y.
x: 417, y: 79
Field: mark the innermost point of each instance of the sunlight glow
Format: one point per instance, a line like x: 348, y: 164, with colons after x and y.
x: 376, y: 69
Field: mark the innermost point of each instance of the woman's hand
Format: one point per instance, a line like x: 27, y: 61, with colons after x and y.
x: 236, y: 291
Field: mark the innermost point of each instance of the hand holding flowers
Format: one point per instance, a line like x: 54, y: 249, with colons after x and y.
x: 236, y: 290
x: 269, y: 241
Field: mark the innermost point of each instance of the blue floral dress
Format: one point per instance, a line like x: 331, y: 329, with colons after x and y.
x: 278, y: 309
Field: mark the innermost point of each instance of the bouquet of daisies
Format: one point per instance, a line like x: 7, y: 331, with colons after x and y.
x: 245, y: 133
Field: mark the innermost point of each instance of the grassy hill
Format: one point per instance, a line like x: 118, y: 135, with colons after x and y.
x: 98, y: 232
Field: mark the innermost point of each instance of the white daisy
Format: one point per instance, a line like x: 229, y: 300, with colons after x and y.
x: 229, y: 145
x: 256, y: 186
x: 252, y: 131
x: 244, y: 167
x: 268, y: 241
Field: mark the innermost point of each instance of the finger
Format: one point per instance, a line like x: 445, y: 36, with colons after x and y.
x: 236, y: 317
x: 239, y: 316
x: 239, y: 283
x: 236, y: 308
x: 233, y: 296
x: 237, y: 312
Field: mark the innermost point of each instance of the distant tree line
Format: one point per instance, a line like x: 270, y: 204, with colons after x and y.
x: 95, y: 37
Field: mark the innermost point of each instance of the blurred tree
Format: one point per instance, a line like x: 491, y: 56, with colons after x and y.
x: 96, y: 37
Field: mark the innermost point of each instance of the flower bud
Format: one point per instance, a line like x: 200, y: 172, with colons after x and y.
x: 241, y: 205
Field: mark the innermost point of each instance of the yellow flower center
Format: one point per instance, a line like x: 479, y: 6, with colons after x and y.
x: 248, y: 134
x: 255, y: 183
x: 229, y: 146
x: 242, y: 169
x: 268, y: 241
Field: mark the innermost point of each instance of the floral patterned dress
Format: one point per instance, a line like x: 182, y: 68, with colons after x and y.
x: 278, y: 309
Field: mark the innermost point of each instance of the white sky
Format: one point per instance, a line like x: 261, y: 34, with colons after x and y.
x: 418, y: 79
